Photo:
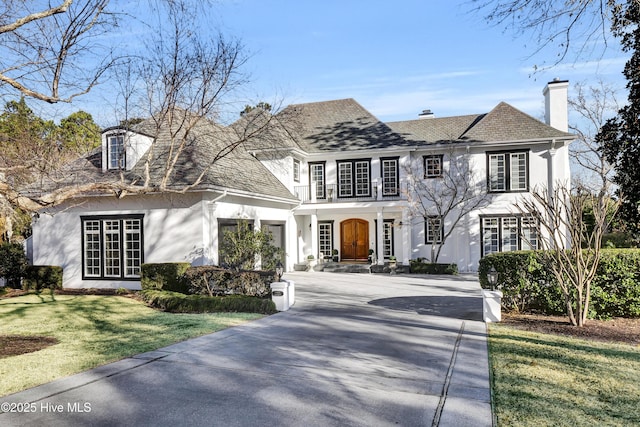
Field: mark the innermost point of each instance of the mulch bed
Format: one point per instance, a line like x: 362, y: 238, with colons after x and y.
x: 12, y: 345
x: 619, y: 330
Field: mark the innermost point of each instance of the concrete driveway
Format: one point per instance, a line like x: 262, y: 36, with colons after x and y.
x: 355, y: 350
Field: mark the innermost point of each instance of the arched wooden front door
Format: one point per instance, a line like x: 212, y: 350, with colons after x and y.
x: 354, y: 239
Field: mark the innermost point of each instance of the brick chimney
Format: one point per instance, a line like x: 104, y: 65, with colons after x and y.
x: 555, y: 104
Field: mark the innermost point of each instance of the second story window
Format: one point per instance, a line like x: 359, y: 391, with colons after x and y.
x: 296, y: 170
x: 508, y: 171
x: 432, y: 166
x: 390, y: 177
x: 354, y: 178
x: 317, y: 177
x: 115, y: 152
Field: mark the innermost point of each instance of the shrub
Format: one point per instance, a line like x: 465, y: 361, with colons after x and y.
x: 527, y: 286
x: 42, y: 276
x: 181, y: 303
x: 615, y: 291
x: 239, y: 248
x: 12, y: 263
x: 212, y: 281
x: 419, y: 266
x: 166, y: 276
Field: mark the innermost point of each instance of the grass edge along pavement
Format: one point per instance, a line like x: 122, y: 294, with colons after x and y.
x: 91, y: 331
x: 550, y: 380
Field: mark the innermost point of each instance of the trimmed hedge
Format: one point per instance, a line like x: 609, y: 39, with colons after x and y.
x: 165, y: 276
x: 42, y: 276
x: 419, y: 266
x: 180, y: 303
x: 12, y: 263
x: 527, y: 286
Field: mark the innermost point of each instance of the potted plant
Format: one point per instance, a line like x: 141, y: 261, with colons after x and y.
x: 370, y: 258
x: 336, y: 258
x: 311, y: 261
x: 392, y: 262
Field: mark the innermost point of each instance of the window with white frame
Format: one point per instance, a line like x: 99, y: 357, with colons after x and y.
x: 115, y: 152
x: 432, y: 166
x: 325, y: 238
x: 390, y: 176
x: 434, y: 229
x: 296, y: 170
x: 354, y: 178
x: 508, y: 171
x: 508, y: 233
x: 112, y: 247
x: 317, y: 177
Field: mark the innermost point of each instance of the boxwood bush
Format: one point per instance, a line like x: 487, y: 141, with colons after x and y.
x: 13, y: 261
x: 165, y: 276
x: 527, y: 286
x: 421, y: 266
x: 181, y: 303
x: 39, y: 277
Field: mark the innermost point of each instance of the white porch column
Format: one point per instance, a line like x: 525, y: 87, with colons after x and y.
x: 314, y: 235
x: 407, y: 245
x: 380, y: 237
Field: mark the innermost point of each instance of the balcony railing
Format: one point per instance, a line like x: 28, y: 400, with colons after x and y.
x: 330, y: 194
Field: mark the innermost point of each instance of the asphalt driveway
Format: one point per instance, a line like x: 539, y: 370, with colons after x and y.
x: 355, y: 350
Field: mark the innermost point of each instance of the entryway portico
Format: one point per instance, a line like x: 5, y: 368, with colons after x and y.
x: 354, y: 229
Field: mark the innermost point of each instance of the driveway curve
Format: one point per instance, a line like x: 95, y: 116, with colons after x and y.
x: 355, y: 350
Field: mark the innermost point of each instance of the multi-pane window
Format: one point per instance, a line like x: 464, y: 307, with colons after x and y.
x: 508, y: 233
x: 296, y: 170
x: 112, y: 247
x: 325, y: 239
x: 433, y: 166
x: 317, y: 177
x: 387, y: 239
x: 508, y: 171
x: 115, y: 151
x: 434, y: 229
x: 390, y: 177
x: 354, y: 178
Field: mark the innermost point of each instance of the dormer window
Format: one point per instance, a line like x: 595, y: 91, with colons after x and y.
x: 115, y: 151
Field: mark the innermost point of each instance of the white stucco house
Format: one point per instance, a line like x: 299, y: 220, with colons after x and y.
x: 339, y: 181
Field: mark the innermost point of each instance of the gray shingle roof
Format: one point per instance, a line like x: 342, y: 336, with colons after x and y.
x: 503, y: 123
x: 340, y: 125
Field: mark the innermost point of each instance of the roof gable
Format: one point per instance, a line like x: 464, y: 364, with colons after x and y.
x: 506, y: 123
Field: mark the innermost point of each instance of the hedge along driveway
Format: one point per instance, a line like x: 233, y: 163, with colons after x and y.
x: 91, y: 331
x: 527, y: 286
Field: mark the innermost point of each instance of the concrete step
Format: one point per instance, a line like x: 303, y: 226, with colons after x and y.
x: 334, y: 267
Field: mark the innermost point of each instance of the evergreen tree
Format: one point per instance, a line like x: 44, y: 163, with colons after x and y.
x: 620, y: 135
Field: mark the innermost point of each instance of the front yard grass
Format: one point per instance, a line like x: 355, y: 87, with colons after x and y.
x: 90, y: 331
x: 549, y: 380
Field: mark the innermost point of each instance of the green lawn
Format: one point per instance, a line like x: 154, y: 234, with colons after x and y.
x: 92, y: 331
x: 549, y: 380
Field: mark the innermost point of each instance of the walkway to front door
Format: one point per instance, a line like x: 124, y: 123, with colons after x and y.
x: 354, y: 239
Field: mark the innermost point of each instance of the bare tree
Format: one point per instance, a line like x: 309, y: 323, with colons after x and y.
x: 572, y: 27
x: 445, y: 199
x: 570, y: 246
x: 51, y: 52
x: 184, y: 82
x: 594, y: 105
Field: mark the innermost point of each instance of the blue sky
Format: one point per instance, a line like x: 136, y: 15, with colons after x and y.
x: 397, y: 58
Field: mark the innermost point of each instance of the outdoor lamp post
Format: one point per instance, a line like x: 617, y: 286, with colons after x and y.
x: 492, y: 277
x: 279, y: 270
